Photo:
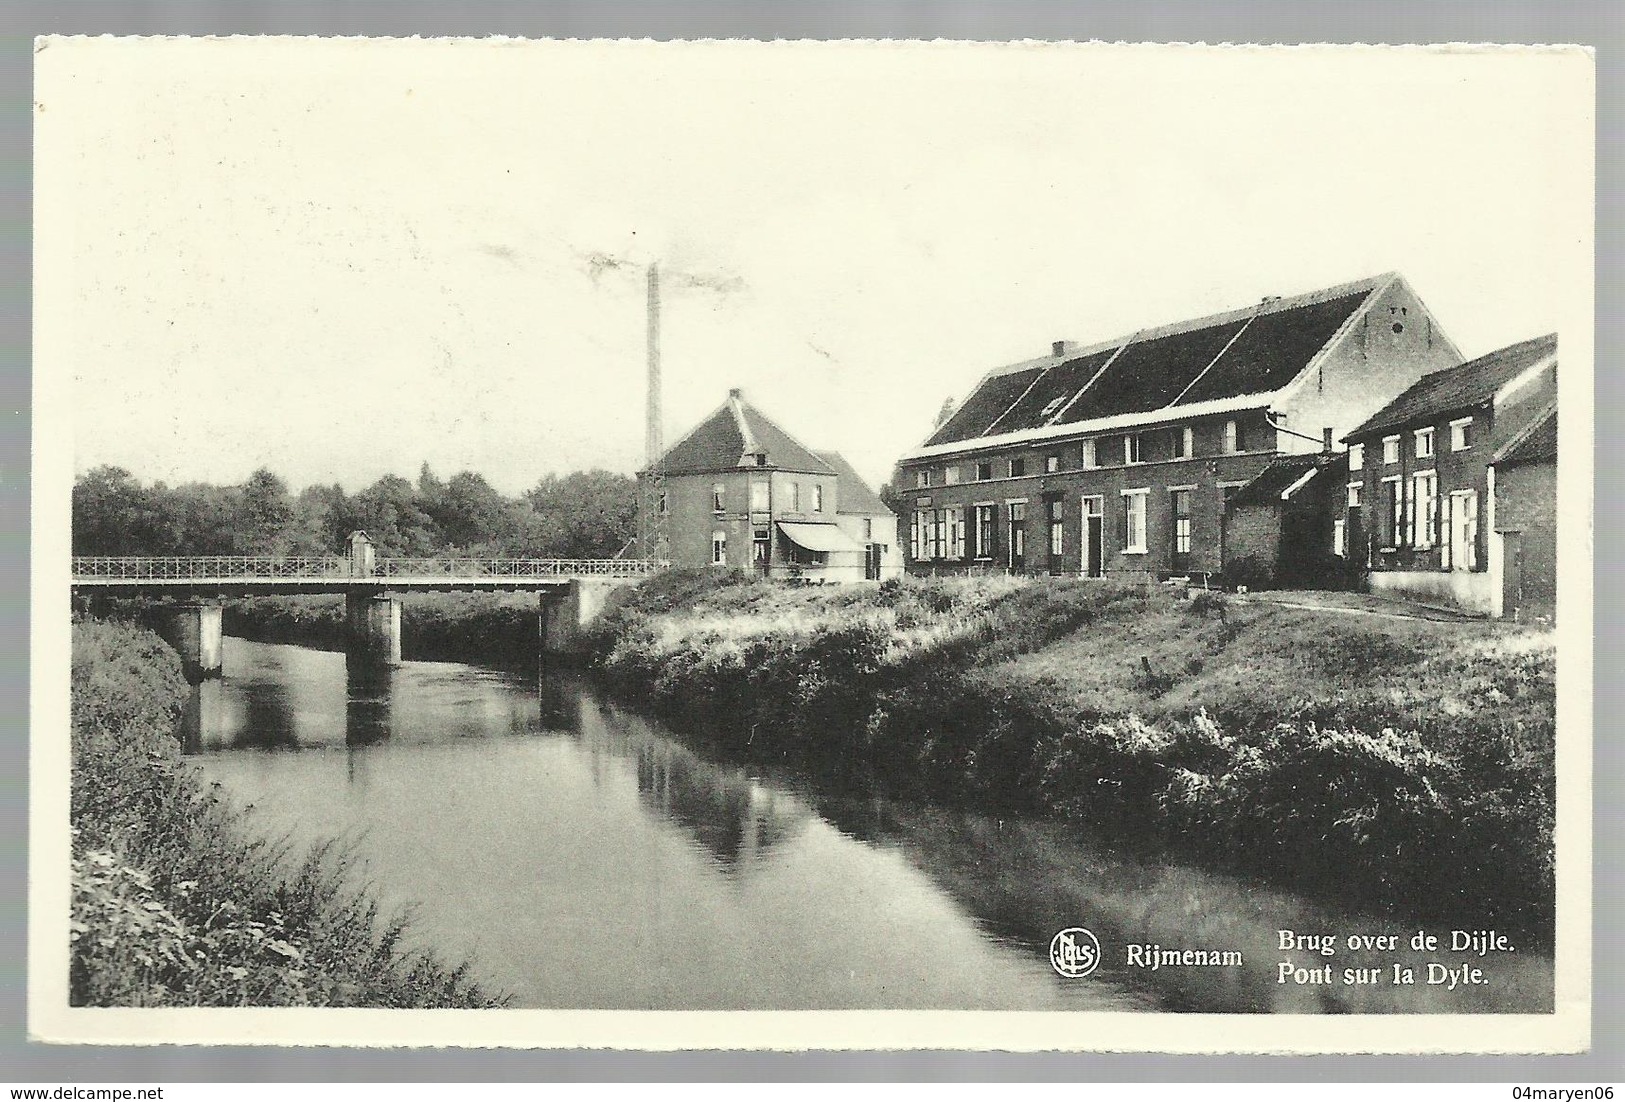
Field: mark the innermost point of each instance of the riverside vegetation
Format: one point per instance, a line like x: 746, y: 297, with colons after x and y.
x: 176, y: 901
x: 1397, y: 763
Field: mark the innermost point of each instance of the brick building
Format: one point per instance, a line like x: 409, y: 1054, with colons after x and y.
x: 1423, y: 506
x: 1119, y: 457
x: 740, y: 491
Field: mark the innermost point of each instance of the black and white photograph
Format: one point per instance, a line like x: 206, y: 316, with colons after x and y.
x: 1063, y: 544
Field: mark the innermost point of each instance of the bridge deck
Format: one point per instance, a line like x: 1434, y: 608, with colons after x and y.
x: 236, y: 576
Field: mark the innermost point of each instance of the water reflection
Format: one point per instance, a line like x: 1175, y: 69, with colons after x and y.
x: 586, y: 857
x: 368, y: 686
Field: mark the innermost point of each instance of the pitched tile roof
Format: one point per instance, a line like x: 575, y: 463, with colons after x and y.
x: 1458, y: 388
x: 1256, y: 350
x: 1536, y: 442
x: 1269, y: 484
x: 853, y: 495
x: 729, y: 438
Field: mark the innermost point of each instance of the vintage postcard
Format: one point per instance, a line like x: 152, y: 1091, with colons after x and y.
x: 812, y: 545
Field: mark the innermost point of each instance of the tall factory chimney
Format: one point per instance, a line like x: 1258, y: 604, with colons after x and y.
x: 652, y: 436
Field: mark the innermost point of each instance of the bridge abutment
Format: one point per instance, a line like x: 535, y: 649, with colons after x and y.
x: 373, y: 627
x: 567, y: 611
x: 195, y: 631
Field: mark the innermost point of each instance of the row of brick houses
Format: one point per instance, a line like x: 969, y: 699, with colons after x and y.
x: 1211, y: 449
x: 1123, y: 457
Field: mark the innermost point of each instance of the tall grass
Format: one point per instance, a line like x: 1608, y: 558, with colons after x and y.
x: 1407, y: 764
x: 176, y: 902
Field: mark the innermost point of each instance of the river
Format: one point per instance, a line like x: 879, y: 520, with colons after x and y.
x: 579, y: 855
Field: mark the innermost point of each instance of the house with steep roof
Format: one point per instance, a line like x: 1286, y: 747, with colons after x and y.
x: 1120, y: 457
x: 740, y: 491
x: 1427, y: 507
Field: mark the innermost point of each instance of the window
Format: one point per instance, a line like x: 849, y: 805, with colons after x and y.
x: 759, y: 496
x: 1339, y: 538
x: 761, y: 548
x: 1461, y: 434
x: 1057, y: 531
x: 1393, y: 491
x: 719, y: 548
x: 761, y: 459
x: 918, y: 524
x: 922, y: 479
x: 1133, y: 533
x: 984, y: 471
x: 1424, y: 510
x: 1089, y: 453
x: 868, y: 529
x: 1181, y: 500
x: 664, y: 508
x: 1354, y: 494
x: 1131, y: 448
x: 1390, y: 449
x: 1018, y: 467
x: 716, y: 498
x: 1424, y: 443
x: 1356, y: 457
x: 1052, y: 464
x: 1461, y: 543
x: 950, y: 477
x: 818, y: 497
x: 1018, y: 533
x: 983, y: 532
x: 955, y: 522
x: 795, y: 497
x: 1184, y: 443
x: 1232, y: 437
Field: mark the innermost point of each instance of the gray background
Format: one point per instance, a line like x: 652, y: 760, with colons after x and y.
x: 1597, y: 24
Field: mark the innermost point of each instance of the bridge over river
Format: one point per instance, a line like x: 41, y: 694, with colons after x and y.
x: 571, y: 591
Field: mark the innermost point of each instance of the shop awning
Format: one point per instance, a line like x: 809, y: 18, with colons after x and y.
x: 818, y: 537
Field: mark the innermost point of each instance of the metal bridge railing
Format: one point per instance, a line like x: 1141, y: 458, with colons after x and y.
x: 252, y: 568
x: 181, y: 568
x: 514, y: 568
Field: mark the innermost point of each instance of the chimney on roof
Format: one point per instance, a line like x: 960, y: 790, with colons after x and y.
x: 1326, y: 439
x: 1062, y: 348
x: 735, y: 393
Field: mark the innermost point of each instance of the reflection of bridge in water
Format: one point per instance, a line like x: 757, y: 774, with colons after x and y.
x: 571, y: 591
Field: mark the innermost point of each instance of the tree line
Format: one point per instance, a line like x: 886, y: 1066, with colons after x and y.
x: 584, y: 514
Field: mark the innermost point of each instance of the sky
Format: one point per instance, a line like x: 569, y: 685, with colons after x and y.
x: 342, y: 259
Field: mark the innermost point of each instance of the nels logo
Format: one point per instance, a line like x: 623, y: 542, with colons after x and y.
x: 1074, y: 952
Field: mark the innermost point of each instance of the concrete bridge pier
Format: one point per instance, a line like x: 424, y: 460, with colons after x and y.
x: 373, y: 627
x: 567, y: 610
x: 195, y: 631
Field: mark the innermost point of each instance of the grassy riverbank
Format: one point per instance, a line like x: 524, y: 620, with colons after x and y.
x: 1395, y: 762
x: 175, y: 901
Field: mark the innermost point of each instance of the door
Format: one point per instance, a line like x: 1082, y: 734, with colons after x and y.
x: 1094, y: 552
x: 1018, y: 537
x: 1511, y: 575
x: 1180, y: 551
x: 871, y: 562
